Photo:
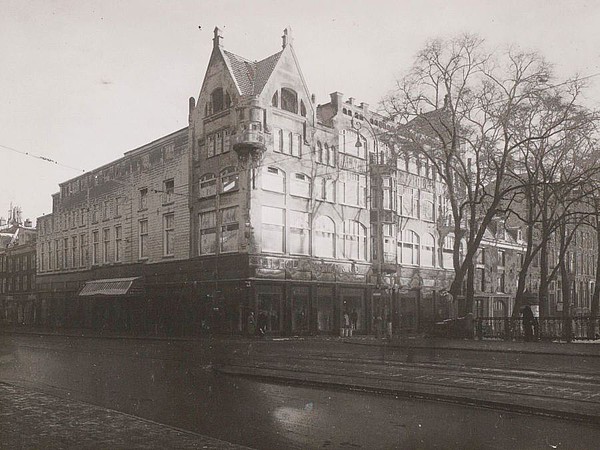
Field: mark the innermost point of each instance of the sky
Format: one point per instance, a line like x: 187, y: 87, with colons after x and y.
x: 82, y: 81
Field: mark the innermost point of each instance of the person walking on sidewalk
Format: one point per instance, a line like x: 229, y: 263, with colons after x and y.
x: 346, y: 325
x: 251, y: 324
x: 528, y: 320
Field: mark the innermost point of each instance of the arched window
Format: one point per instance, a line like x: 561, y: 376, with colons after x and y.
x: 326, y: 155
x: 229, y: 180
x: 300, y: 185
x: 218, y: 100
x: 319, y: 152
x: 427, y: 206
x: 227, y: 100
x: 428, y: 250
x: 275, y: 99
x: 289, y: 100
x: 273, y: 180
x: 302, y: 109
x: 355, y: 240
x: 207, y: 186
x: 345, y: 111
x: 324, y: 237
x: 409, y: 240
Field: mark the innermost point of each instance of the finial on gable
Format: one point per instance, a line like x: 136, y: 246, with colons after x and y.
x: 287, y: 37
x: 218, y: 37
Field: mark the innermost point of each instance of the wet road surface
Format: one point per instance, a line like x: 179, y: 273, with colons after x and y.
x: 172, y: 382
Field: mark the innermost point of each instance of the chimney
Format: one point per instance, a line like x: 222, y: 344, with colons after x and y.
x: 351, y: 101
x: 336, y: 99
x: 364, y: 106
x: 313, y: 98
x: 286, y: 39
x: 28, y: 223
x: 218, y: 36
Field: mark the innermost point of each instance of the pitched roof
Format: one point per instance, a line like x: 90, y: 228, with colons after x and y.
x: 251, y: 77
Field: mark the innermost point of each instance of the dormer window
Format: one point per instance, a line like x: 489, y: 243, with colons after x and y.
x: 289, y: 100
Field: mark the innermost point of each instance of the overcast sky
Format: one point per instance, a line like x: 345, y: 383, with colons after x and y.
x: 83, y: 82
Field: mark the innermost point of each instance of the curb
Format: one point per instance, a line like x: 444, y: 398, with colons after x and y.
x: 413, y: 394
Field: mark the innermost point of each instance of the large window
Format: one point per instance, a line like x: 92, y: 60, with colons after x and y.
x: 168, y: 234
x: 353, y: 189
x: 229, y: 180
x: 409, y: 240
x: 273, y: 180
x: 207, y: 186
x: 207, y: 239
x: 325, y: 189
x: 324, y: 237
x: 95, y: 247
x: 409, y: 201
x: 278, y: 140
x: 299, y: 232
x: 388, y: 197
x: 448, y: 251
x: 106, y: 244
x: 427, y: 207
x: 273, y: 229
x: 118, y: 243
x: 300, y: 185
x: 83, y: 250
x: 143, y: 241
x: 428, y: 250
x: 168, y: 190
x: 355, y: 240
x: 143, y: 201
x: 229, y: 229
x: 289, y: 100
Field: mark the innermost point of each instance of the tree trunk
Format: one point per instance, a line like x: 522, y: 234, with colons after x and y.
x: 566, y: 287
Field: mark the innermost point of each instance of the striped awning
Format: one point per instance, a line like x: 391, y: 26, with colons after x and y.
x: 108, y: 287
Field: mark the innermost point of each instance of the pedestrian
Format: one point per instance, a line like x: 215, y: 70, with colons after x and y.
x: 262, y: 324
x: 251, y: 324
x: 528, y: 321
x: 346, y: 324
x: 354, y: 319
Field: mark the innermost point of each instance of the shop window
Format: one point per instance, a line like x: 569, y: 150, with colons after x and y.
x: 229, y: 230
x: 207, y: 239
x: 273, y: 229
x: 324, y: 237
x: 273, y: 180
x: 269, y: 303
x: 300, y: 309
x: 299, y: 232
x: 353, y: 305
x: 355, y: 240
x: 325, y: 309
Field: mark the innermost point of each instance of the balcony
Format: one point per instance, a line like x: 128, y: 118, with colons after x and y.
x: 249, y: 141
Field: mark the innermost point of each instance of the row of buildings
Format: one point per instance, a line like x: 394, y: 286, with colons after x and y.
x: 265, y: 203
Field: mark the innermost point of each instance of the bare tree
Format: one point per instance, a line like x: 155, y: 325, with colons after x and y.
x: 462, y: 109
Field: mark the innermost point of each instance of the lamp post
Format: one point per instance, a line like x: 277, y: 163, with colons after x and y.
x: 378, y: 241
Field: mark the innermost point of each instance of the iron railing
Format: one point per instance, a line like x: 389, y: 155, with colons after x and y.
x: 547, y: 328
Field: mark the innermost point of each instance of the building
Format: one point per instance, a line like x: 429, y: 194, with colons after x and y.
x: 18, y: 271
x: 109, y: 254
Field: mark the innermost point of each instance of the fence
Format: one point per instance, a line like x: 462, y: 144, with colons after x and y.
x: 547, y: 328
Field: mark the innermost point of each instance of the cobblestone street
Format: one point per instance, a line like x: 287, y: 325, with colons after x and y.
x: 31, y: 419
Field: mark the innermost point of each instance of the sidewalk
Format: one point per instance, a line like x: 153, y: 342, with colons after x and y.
x: 31, y: 419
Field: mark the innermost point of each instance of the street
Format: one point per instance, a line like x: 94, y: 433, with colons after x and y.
x: 173, y: 383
